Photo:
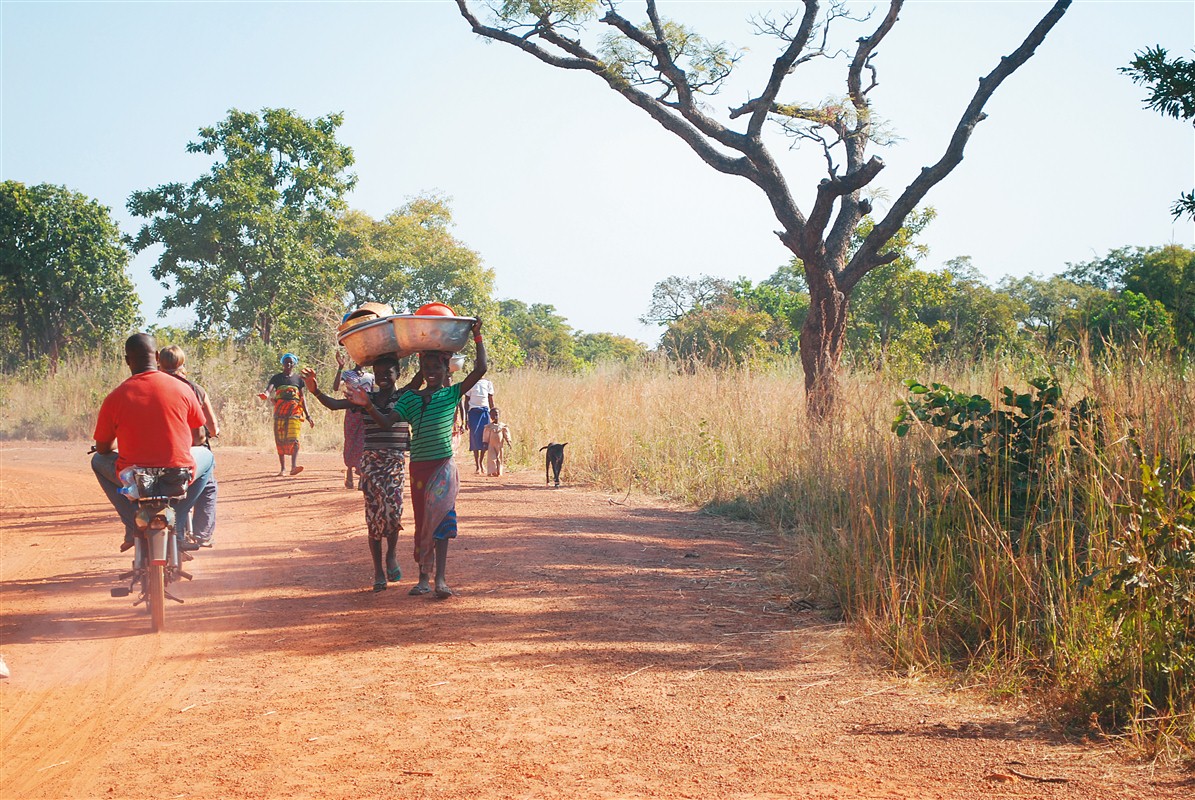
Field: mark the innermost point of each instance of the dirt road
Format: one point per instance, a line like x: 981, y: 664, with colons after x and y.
x: 593, y: 650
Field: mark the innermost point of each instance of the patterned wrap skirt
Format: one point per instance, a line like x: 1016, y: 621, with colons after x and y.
x: 434, y: 486
x: 381, y: 484
x: 354, y: 438
x: 288, y: 420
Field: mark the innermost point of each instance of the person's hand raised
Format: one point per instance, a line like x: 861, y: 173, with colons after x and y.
x: 477, y: 327
x: 309, y: 379
x: 340, y: 359
x: 358, y: 396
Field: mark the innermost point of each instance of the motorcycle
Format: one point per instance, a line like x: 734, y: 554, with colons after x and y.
x: 158, y: 555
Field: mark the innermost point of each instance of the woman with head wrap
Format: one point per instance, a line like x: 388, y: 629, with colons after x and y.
x: 285, y: 390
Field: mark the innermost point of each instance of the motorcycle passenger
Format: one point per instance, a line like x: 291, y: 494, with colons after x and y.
x: 156, y: 420
x: 200, y: 525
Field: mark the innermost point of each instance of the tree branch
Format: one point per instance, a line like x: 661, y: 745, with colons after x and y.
x: 867, y: 256
x: 526, y: 45
x: 761, y: 106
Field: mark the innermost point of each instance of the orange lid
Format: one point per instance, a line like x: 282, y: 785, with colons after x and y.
x: 435, y: 310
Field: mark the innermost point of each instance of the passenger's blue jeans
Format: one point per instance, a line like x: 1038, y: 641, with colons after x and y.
x: 104, y: 467
x: 203, y: 516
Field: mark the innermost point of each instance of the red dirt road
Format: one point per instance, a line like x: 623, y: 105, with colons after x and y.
x: 593, y: 650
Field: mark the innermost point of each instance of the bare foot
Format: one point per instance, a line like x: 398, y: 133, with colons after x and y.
x: 296, y: 470
x: 281, y: 472
x: 442, y: 590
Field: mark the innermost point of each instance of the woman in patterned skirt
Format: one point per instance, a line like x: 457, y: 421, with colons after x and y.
x: 382, y: 461
x: 285, y: 390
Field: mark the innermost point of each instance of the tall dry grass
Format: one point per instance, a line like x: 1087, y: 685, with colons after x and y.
x: 940, y: 570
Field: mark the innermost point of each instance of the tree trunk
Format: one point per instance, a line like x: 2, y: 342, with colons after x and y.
x: 822, y: 338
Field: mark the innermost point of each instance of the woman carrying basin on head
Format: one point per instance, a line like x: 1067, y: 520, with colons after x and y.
x: 434, y: 480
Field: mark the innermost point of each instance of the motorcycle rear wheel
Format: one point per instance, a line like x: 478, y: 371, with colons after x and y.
x: 155, y: 595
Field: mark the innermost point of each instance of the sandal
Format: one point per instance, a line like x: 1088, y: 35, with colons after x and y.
x: 418, y: 590
x: 379, y: 586
x: 394, y: 575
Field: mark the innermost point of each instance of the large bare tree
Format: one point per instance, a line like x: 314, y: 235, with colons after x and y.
x: 667, y: 70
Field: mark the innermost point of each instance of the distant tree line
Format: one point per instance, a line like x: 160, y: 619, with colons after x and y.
x: 263, y: 248
x: 903, y: 316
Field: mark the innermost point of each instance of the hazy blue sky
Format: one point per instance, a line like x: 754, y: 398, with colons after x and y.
x: 572, y: 196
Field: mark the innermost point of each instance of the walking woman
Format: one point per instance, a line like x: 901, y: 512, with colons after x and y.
x: 382, y: 461
x: 285, y: 390
x: 434, y: 480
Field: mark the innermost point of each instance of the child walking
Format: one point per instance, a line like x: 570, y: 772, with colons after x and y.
x: 434, y: 480
x: 382, y: 459
x: 497, y: 436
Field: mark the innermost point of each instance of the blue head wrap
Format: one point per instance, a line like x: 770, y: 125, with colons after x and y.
x: 290, y: 356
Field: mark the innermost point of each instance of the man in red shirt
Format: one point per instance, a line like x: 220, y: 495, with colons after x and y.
x: 158, y: 422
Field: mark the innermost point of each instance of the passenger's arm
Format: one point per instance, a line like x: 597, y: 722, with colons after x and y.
x: 209, y: 416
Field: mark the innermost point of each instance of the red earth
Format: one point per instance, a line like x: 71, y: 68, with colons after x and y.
x: 597, y: 647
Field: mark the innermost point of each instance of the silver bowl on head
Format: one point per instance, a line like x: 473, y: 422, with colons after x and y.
x: 402, y: 335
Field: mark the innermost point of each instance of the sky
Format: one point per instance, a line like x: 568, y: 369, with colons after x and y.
x: 572, y: 196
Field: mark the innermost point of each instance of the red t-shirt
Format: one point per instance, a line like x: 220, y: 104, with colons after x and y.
x: 151, y: 416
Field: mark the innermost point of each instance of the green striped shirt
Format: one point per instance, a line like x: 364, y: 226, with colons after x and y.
x: 431, y: 422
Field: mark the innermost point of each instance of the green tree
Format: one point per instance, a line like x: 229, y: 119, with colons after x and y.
x: 677, y: 295
x: 409, y: 258
x: 892, y: 321
x: 723, y: 335
x: 245, y: 244
x: 668, y: 70
x: 1055, y: 309
x: 1171, y: 84
x: 544, y: 336
x: 598, y: 348
x: 1167, y: 275
x: 785, y: 299
x: 982, y: 320
x: 1130, y: 317
x: 64, y: 281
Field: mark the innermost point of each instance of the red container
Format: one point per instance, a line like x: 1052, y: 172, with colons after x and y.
x: 435, y: 310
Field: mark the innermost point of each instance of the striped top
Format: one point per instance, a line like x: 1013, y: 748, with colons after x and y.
x: 431, y: 421
x: 396, y: 437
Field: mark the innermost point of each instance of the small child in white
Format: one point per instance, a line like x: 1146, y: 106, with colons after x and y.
x: 496, y: 437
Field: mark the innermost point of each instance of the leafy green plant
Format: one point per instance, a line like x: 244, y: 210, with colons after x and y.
x: 1151, y: 587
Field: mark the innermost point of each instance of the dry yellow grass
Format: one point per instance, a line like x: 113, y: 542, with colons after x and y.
x: 917, y: 557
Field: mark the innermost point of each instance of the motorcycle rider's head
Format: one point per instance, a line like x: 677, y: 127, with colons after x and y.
x: 141, y: 353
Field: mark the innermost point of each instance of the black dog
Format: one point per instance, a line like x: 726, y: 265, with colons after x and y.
x: 554, y: 460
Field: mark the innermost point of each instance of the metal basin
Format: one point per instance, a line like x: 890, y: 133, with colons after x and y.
x: 404, y: 334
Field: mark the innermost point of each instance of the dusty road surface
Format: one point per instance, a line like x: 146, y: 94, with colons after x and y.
x: 593, y: 650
